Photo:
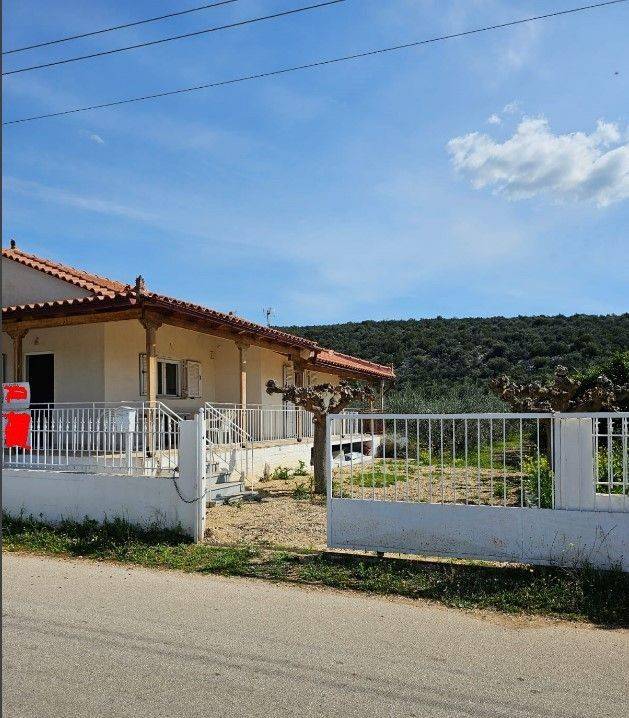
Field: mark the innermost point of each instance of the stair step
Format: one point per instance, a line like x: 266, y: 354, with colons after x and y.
x: 229, y: 491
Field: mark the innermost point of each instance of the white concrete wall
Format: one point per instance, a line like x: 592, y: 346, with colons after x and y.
x: 79, y: 359
x: 21, y: 285
x: 540, y: 536
x: 54, y: 496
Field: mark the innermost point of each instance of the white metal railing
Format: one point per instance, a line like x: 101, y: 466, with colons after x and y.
x: 525, y: 460
x: 101, y: 437
x: 271, y: 423
x: 229, y: 446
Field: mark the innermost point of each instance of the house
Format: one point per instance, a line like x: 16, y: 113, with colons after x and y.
x: 80, y: 339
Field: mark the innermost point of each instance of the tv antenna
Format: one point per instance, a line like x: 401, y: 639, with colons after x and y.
x: 268, y: 313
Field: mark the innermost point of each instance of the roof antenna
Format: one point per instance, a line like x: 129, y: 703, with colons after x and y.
x: 13, y: 245
x: 268, y: 313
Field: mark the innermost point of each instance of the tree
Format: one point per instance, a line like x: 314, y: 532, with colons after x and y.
x: 321, y: 400
x: 593, y: 391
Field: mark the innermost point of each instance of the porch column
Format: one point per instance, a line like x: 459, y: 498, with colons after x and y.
x: 382, y: 395
x: 17, y: 334
x: 242, y: 364
x: 299, y: 382
x: 151, y: 325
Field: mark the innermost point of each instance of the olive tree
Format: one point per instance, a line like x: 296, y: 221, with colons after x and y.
x: 321, y: 400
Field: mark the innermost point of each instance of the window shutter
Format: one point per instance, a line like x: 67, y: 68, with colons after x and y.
x: 192, y: 380
x: 142, y: 372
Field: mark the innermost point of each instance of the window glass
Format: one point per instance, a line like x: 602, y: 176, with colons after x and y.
x: 171, y: 379
x: 160, y: 378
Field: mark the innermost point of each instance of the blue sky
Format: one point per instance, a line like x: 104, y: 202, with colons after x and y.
x: 482, y: 176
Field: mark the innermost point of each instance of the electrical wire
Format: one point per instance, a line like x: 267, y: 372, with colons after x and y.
x: 68, y: 38
x: 186, y: 35
x: 320, y: 63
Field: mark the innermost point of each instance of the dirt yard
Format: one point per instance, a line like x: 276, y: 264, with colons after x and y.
x: 279, y: 519
x: 287, y: 515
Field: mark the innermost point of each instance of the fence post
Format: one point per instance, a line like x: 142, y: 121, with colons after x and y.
x: 574, y: 464
x: 328, y: 474
x: 192, y: 468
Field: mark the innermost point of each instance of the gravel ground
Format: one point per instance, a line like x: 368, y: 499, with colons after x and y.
x: 280, y: 519
x: 277, y: 520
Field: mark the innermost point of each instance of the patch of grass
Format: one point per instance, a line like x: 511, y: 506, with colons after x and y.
x: 598, y: 596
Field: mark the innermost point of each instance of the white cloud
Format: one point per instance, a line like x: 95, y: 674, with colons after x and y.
x: 511, y: 107
x: 42, y: 192
x: 534, y: 161
x: 494, y: 119
x: 97, y: 138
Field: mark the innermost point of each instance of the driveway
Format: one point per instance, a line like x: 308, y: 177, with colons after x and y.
x: 88, y: 639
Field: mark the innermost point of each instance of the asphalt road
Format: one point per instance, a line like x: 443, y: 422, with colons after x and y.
x: 88, y: 639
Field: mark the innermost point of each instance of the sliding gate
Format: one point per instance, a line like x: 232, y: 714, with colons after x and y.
x: 534, y: 488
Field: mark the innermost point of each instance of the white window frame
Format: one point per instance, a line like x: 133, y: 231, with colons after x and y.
x: 161, y: 369
x: 162, y: 362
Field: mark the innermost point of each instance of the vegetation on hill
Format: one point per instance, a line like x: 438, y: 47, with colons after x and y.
x: 447, y: 364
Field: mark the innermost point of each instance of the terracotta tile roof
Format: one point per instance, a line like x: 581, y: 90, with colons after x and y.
x: 110, y: 293
x: 95, y: 300
x: 77, y: 277
x: 330, y: 358
x: 230, y: 319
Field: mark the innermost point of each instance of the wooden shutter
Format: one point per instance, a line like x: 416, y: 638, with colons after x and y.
x: 142, y: 374
x: 192, y: 380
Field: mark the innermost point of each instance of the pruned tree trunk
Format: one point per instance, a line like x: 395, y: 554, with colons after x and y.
x: 319, y: 458
x: 321, y: 400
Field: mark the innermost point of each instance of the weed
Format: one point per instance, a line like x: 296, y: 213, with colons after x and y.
x: 301, y: 492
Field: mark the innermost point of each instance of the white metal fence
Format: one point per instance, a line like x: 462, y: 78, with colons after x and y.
x: 486, y: 459
x: 263, y: 423
x: 468, y: 484
x: 130, y: 439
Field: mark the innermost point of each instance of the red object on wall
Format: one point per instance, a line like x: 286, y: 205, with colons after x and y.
x: 15, y: 392
x: 16, y: 395
x: 16, y: 427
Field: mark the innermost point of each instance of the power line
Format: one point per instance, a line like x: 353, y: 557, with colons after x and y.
x: 240, y: 23
x: 118, y: 27
x: 320, y: 63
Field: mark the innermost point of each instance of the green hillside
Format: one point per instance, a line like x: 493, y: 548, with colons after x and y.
x: 441, y: 356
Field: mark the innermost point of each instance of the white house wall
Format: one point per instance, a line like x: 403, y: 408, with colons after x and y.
x: 22, y: 285
x: 100, y: 362
x: 126, y: 340
x: 79, y: 359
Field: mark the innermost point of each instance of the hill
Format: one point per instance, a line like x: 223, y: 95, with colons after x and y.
x: 440, y: 355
